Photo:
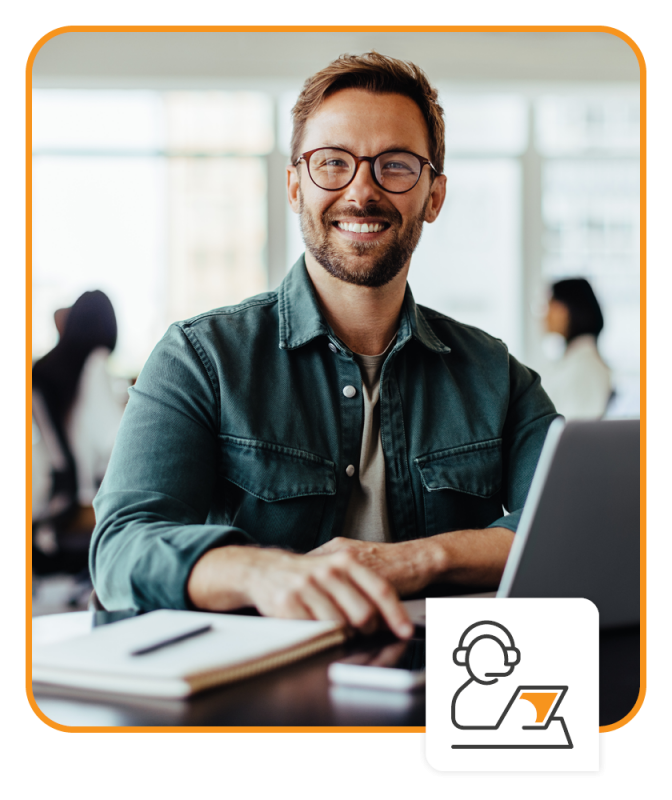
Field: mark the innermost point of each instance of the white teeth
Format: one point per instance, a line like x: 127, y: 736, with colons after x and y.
x: 374, y: 227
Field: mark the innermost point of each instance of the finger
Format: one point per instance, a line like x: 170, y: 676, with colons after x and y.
x: 287, y: 606
x: 355, y: 605
x: 320, y: 604
x: 385, y: 598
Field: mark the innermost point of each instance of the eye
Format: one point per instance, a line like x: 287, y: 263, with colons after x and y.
x: 330, y: 164
x: 397, y: 165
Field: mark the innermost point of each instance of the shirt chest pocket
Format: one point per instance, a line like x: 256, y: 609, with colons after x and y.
x: 277, y: 494
x: 462, y: 486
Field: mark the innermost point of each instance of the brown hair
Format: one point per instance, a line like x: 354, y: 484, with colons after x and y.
x: 375, y: 73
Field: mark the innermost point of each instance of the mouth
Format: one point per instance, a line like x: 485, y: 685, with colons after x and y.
x: 362, y: 230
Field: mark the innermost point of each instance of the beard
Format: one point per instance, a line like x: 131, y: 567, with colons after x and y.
x: 371, y: 264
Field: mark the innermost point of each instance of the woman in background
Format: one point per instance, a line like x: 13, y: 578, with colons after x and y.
x: 580, y: 382
x: 77, y: 413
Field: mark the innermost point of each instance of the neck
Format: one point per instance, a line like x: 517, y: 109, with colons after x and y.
x: 364, y: 318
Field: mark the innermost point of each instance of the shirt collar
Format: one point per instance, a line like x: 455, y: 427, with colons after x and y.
x: 301, y: 319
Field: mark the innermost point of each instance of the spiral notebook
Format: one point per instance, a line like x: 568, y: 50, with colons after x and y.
x: 133, y: 656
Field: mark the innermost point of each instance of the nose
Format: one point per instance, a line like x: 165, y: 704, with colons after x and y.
x: 363, y: 188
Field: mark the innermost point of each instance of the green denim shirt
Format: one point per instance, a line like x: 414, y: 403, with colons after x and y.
x: 238, y: 432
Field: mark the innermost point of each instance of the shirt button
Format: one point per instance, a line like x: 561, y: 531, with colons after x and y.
x: 349, y: 391
x: 349, y: 470
x: 333, y: 347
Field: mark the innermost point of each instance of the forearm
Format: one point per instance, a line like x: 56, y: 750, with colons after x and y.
x: 474, y: 557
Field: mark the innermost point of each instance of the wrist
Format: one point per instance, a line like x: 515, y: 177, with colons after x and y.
x: 219, y: 579
x: 426, y: 560
x: 474, y: 556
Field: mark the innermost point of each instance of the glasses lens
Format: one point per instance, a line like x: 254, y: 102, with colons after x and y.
x: 330, y: 168
x: 397, y: 172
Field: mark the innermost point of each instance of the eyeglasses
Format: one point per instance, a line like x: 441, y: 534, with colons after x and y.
x: 332, y: 168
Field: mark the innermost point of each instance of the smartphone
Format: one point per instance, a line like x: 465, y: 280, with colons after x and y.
x: 399, y: 666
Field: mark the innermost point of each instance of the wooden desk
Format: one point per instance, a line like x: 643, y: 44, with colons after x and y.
x: 297, y: 695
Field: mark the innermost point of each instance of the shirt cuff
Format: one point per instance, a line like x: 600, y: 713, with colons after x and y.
x: 159, y: 578
x: 509, y: 521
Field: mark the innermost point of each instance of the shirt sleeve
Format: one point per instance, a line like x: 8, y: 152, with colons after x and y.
x: 530, y: 413
x: 154, y: 501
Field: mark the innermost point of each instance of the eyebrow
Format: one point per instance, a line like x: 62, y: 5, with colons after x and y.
x: 387, y: 149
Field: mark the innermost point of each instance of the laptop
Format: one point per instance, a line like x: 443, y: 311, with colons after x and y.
x: 579, y: 533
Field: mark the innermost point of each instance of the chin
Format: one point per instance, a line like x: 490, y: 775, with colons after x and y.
x: 361, y: 263
x: 374, y: 275
x: 372, y: 264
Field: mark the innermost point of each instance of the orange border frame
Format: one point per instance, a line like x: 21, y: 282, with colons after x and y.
x: 653, y: 51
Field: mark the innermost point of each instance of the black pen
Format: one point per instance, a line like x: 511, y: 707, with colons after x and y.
x: 150, y: 648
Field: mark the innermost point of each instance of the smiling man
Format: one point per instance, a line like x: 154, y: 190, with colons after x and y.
x: 321, y: 450
x: 376, y: 215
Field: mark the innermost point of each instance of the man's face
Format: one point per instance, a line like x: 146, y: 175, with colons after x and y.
x: 487, y: 661
x: 365, y: 123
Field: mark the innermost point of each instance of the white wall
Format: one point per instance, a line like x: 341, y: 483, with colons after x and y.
x: 172, y: 59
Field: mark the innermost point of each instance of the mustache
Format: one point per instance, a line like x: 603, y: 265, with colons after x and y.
x: 390, y: 215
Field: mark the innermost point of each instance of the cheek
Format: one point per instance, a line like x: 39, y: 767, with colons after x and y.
x: 412, y: 213
x: 311, y: 205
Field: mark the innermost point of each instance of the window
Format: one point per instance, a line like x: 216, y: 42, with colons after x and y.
x: 174, y: 203
x: 157, y: 198
x: 590, y: 212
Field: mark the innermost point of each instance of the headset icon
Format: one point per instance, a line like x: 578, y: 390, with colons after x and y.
x: 489, y: 653
x: 494, y: 631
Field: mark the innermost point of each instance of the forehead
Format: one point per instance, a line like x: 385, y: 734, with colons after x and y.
x: 367, y: 123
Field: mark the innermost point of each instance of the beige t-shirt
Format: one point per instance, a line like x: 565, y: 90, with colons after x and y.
x: 366, y: 517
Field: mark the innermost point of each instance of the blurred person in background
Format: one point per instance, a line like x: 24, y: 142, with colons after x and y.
x: 76, y: 413
x: 579, y: 383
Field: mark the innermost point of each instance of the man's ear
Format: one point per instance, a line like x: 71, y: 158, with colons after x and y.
x: 293, y: 188
x: 437, y: 195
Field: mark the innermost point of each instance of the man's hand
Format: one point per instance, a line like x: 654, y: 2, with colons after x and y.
x: 334, y: 586
x: 406, y: 565
x: 474, y: 557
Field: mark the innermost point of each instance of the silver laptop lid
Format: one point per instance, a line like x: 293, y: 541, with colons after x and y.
x: 579, y: 532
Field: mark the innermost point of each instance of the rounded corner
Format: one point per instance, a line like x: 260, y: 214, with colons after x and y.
x: 40, y: 44
x: 614, y: 726
x: 619, y: 34
x: 429, y: 762
x: 32, y: 702
x: 37, y: 709
x: 590, y: 606
x: 619, y: 722
x: 55, y: 34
